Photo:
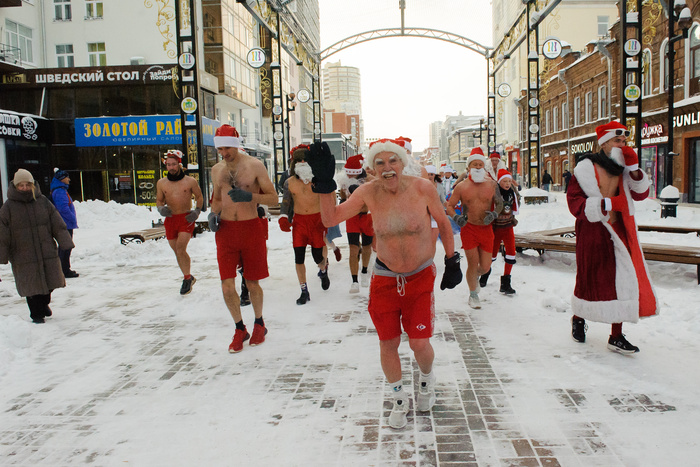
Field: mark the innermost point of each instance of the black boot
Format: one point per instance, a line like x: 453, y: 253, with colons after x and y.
x: 245, y: 296
x: 303, y: 298
x: 484, y: 279
x: 505, y: 285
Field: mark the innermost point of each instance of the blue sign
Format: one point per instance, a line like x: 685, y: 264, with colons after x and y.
x: 209, y: 127
x: 129, y: 131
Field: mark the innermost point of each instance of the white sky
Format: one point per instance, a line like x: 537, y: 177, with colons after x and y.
x: 408, y: 83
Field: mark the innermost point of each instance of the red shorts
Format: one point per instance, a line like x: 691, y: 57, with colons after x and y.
x: 308, y: 229
x: 477, y: 236
x: 242, y: 243
x: 415, y: 309
x: 361, y: 223
x: 176, y: 224
x: 506, y: 236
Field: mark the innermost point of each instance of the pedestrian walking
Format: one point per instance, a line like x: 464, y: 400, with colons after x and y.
x: 612, y: 280
x: 401, y: 289
x: 30, y: 226
x: 546, y: 180
x: 65, y: 207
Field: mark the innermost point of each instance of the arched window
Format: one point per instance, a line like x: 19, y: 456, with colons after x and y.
x: 663, y: 66
x: 694, y: 53
x: 646, y: 73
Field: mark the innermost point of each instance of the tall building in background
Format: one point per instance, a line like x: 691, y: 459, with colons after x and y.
x: 342, y: 94
x: 434, y: 134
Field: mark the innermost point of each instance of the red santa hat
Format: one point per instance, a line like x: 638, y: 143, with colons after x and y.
x: 503, y: 173
x: 494, y: 155
x: 610, y: 130
x: 406, y: 144
x: 300, y: 146
x: 353, y: 166
x: 175, y: 154
x: 386, y: 145
x: 227, y: 137
x: 476, y: 155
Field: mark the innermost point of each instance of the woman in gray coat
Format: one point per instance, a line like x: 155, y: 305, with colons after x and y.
x: 29, y: 228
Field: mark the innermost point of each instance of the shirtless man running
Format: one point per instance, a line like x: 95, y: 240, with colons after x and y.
x: 300, y: 214
x: 240, y: 184
x: 401, y: 289
x: 174, y: 194
x: 480, y: 207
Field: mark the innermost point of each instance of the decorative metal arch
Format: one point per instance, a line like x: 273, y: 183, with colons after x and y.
x: 410, y: 32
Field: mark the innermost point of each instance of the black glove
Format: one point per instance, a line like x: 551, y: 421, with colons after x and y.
x: 352, y: 188
x: 460, y: 220
x: 261, y: 212
x: 240, y: 196
x: 164, y: 211
x: 452, y: 275
x: 214, y: 221
x: 490, y: 217
x: 322, y: 164
x: 193, y: 215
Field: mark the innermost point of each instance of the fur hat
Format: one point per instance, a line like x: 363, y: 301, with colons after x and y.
x: 23, y: 175
x: 353, y: 166
x: 610, y: 130
x: 227, y: 137
x: 386, y: 145
x: 60, y: 174
x: 299, y: 154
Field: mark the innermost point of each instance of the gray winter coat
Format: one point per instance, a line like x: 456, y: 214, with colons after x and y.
x: 29, y: 223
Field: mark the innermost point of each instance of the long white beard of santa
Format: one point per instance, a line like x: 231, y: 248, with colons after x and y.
x: 478, y: 175
x: 616, y: 155
x: 304, y: 172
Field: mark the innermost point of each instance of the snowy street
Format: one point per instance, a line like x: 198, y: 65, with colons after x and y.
x: 128, y: 372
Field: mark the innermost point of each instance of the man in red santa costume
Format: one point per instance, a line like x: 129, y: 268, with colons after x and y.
x: 612, y: 279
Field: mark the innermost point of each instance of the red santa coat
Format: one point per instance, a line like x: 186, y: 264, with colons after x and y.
x: 612, y: 280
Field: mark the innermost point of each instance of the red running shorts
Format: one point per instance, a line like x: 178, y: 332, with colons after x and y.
x: 176, y: 224
x: 242, y: 243
x: 308, y: 229
x: 477, y: 236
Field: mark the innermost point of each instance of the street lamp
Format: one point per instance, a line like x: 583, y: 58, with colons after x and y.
x: 482, y: 127
x: 291, y: 106
x: 680, y: 13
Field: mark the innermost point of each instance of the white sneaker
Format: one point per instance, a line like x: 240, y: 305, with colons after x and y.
x: 364, y: 279
x: 397, y: 418
x: 355, y: 288
x: 426, y: 394
x: 474, y: 302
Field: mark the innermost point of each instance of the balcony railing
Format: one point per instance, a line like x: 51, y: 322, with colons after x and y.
x: 9, y: 54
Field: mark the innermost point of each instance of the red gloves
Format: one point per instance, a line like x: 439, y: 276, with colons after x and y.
x: 631, y: 160
x: 616, y: 203
x: 285, y: 225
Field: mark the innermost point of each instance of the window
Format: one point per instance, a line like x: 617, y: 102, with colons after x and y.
x: 547, y: 128
x: 62, y: 10
x: 663, y: 69
x: 589, y: 107
x: 64, y: 55
x: 97, y: 54
x: 20, y: 37
x: 93, y: 9
x: 565, y: 116
x: 695, y: 60
x: 602, y: 102
x: 555, y: 118
x: 603, y: 22
x: 577, y: 111
x: 646, y: 73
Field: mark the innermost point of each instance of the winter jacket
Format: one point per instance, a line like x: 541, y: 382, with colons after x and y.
x: 64, y: 203
x: 511, y: 203
x: 29, y: 228
x: 612, y: 281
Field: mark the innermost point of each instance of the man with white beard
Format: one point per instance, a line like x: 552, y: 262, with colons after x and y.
x: 480, y: 207
x: 301, y: 215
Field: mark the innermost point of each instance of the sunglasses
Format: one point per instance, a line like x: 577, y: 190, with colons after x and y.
x: 620, y: 132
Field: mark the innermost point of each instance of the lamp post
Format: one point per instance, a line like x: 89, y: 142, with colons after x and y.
x: 482, y: 127
x: 680, y: 13
x: 291, y: 106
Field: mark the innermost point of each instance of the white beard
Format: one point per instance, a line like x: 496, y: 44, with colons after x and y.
x: 304, y: 172
x: 617, y: 157
x: 478, y: 175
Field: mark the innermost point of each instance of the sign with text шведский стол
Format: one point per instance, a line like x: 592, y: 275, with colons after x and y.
x: 128, y: 131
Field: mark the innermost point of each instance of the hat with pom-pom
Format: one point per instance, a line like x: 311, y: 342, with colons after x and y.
x: 353, y: 166
x: 59, y: 174
x: 227, y: 137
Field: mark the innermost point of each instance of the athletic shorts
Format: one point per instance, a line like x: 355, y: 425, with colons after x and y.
x: 308, y: 229
x: 176, y: 224
x: 506, y: 236
x: 361, y: 223
x: 242, y: 243
x: 477, y: 236
x: 406, y: 300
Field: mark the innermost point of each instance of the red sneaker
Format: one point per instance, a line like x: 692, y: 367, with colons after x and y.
x: 338, y: 256
x: 238, y: 338
x: 259, y: 333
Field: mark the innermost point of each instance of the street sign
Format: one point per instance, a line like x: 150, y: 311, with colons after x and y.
x: 551, y: 48
x: 504, y: 90
x: 633, y: 47
x: 188, y: 105
x: 256, y: 57
x: 186, y: 60
x: 303, y: 95
x: 632, y: 92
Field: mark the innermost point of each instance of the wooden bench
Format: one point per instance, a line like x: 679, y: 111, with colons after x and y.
x: 140, y: 236
x: 529, y: 199
x: 564, y: 239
